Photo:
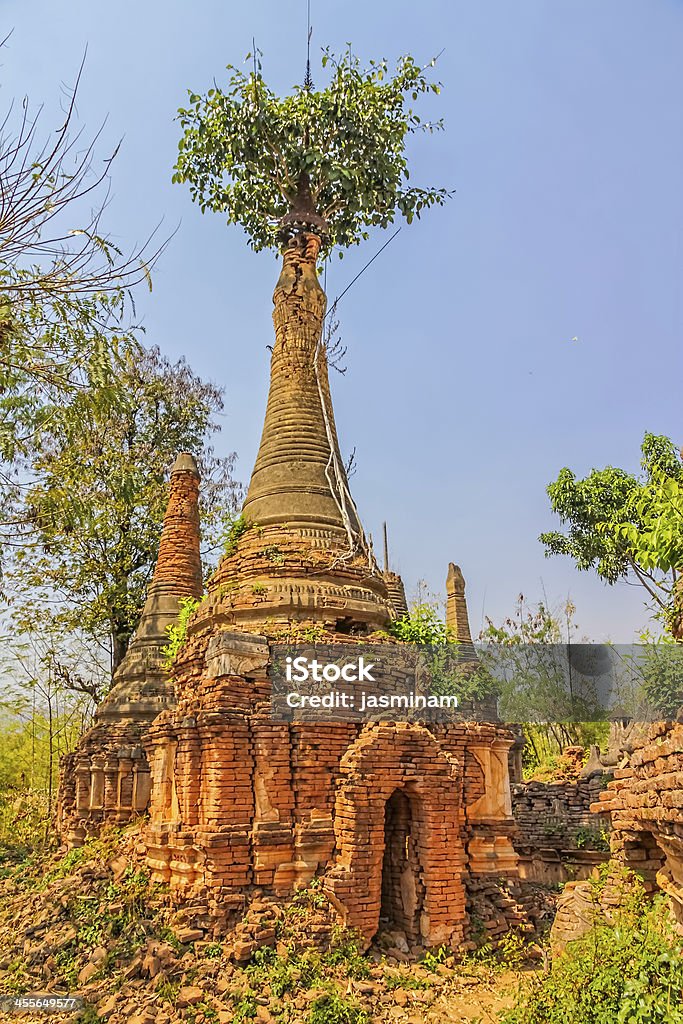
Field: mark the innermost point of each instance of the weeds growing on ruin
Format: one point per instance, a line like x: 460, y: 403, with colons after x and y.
x: 177, y: 631
x: 332, y: 1008
x: 234, y: 529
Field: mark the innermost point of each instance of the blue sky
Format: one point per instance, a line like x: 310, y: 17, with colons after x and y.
x: 464, y: 394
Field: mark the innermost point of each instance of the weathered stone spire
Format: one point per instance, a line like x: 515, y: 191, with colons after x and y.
x: 395, y: 587
x: 397, y: 593
x: 457, y: 618
x: 298, y: 477
x: 178, y: 570
x: 106, y: 778
x: 141, y: 687
x: 303, y: 558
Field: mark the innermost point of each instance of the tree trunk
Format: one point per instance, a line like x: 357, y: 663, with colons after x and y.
x: 119, y: 646
x: 677, y: 617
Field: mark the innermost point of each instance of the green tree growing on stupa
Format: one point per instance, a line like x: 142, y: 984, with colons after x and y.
x: 304, y: 174
x: 331, y: 160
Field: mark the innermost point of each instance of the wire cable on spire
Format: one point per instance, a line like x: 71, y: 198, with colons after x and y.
x: 352, y: 282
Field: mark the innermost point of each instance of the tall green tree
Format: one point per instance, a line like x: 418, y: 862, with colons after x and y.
x: 333, y: 159
x: 627, y: 526
x: 89, y: 504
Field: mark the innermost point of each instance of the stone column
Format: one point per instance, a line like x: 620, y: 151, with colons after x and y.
x: 457, y: 618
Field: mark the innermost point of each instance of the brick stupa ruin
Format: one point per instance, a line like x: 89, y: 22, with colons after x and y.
x: 107, y: 777
x: 396, y: 818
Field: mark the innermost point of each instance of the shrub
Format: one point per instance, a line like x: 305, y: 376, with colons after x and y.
x: 588, y: 838
x: 331, y: 1008
x: 177, y: 632
x: 234, y: 528
x: 424, y: 625
x: 627, y: 972
x: 345, y: 949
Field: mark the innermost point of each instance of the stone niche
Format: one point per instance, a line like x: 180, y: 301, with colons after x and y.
x: 394, y: 816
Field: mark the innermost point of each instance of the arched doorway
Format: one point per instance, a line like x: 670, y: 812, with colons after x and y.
x: 403, y: 888
x: 399, y: 841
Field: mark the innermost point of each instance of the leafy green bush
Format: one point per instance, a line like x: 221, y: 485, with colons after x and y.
x: 177, y: 631
x: 661, y: 666
x: 423, y: 625
x: 331, y: 1008
x: 627, y: 972
x: 268, y: 968
x: 433, y: 958
x: 448, y: 673
x: 234, y: 529
x: 245, y: 1008
x: 395, y: 979
x: 345, y: 949
x: 587, y: 838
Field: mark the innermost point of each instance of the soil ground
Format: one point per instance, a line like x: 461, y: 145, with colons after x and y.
x: 91, y: 924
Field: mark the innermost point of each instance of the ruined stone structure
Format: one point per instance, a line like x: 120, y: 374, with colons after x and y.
x: 457, y: 618
x: 107, y: 777
x: 395, y: 817
x: 396, y: 592
x: 559, y: 837
x: 645, y: 805
x: 625, y: 736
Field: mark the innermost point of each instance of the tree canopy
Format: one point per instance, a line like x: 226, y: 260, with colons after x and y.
x: 64, y: 283
x: 622, y: 525
x: 89, y: 500
x: 338, y: 152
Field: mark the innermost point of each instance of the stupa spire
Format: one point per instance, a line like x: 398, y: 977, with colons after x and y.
x: 457, y: 618
x: 299, y: 477
x: 141, y: 684
x: 178, y: 569
x: 302, y: 556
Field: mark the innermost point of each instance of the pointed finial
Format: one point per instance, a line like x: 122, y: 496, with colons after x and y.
x: 308, y: 81
x: 455, y: 581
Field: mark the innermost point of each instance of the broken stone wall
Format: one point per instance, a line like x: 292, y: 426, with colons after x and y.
x: 559, y: 838
x: 645, y: 803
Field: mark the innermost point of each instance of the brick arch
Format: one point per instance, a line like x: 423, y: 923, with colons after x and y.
x: 386, y: 758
